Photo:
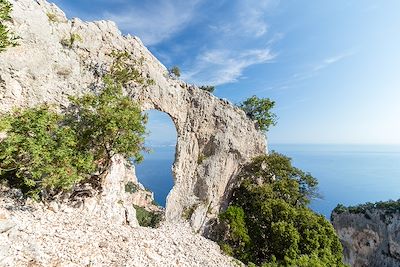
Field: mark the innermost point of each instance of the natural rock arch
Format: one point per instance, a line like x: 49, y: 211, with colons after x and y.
x: 215, y: 138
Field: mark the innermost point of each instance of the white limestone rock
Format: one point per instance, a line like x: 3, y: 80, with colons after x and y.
x: 41, y: 70
x: 369, y: 238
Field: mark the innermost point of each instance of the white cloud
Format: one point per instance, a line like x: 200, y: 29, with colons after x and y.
x: 156, y: 21
x: 247, y: 20
x: 331, y: 60
x: 221, y: 66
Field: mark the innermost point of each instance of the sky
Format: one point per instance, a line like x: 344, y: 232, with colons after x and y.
x: 332, y: 67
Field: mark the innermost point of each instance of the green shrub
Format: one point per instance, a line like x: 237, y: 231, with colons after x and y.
x: 148, y: 218
x: 71, y: 40
x: 52, y: 17
x: 7, y: 39
x: 108, y: 124
x: 130, y: 187
x: 175, y: 72
x: 389, y: 207
x: 49, y: 152
x: 39, y: 152
x: 208, y: 88
x: 259, y: 109
x: 267, y: 221
x: 125, y: 70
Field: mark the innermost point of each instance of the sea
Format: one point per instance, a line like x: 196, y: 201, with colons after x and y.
x: 347, y: 174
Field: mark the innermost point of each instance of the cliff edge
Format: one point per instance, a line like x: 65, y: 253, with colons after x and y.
x: 370, y: 233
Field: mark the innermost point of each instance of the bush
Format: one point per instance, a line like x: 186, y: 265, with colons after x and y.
x: 52, y: 17
x: 45, y: 151
x: 208, y: 88
x: 175, y: 72
x: 126, y: 70
x: 40, y: 153
x: 108, y: 124
x: 267, y: 221
x: 389, y: 207
x: 6, y: 37
x: 259, y: 109
x: 71, y: 40
x: 148, y: 218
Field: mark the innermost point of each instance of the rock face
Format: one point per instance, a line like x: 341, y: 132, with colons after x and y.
x: 36, y: 235
x: 370, y: 238
x: 214, y: 137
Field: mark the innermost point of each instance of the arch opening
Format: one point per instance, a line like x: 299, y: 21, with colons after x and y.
x: 155, y: 172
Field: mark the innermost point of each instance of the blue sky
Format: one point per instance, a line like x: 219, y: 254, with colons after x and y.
x: 333, y: 67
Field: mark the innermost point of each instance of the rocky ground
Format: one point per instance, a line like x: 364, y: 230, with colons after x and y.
x: 34, y: 234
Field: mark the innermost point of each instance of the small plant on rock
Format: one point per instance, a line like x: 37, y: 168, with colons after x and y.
x: 175, y: 72
x: 52, y: 17
x: 7, y: 39
x: 71, y: 40
x: 208, y: 88
x: 148, y: 218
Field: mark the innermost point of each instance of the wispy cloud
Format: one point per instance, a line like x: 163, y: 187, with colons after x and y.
x: 331, y: 60
x: 155, y: 21
x: 306, y: 73
x: 247, y: 19
x: 220, y: 66
x: 235, y: 39
x: 238, y: 40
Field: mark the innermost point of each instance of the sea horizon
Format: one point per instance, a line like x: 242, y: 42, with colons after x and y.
x: 348, y: 174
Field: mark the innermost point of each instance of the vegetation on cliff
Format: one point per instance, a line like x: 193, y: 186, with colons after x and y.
x: 6, y: 37
x: 268, y: 222
x: 46, y: 151
x: 388, y: 207
x: 259, y: 109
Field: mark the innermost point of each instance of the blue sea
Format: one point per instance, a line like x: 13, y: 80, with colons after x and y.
x: 347, y: 174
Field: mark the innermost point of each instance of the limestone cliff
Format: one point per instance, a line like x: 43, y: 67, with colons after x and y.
x: 44, y: 69
x: 370, y: 235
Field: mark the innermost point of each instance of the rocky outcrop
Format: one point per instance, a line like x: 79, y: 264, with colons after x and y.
x: 36, y: 234
x: 370, y: 237
x: 43, y: 69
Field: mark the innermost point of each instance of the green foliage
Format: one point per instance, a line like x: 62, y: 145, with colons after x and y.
x: 71, y: 40
x: 148, y: 218
x: 389, y: 207
x: 188, y: 212
x: 52, y: 17
x: 6, y: 37
x: 283, y: 180
x: 49, y: 152
x: 175, y: 72
x: 130, y: 187
x: 259, y: 109
x: 208, y: 88
x: 201, y: 158
x: 268, y: 222
x: 125, y: 70
x: 108, y: 124
x: 39, y: 152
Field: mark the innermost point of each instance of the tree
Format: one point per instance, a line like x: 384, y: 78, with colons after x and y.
x: 259, y: 109
x: 108, y: 124
x: 40, y: 154
x: 45, y: 151
x: 175, y: 71
x: 267, y: 221
x: 6, y: 38
x: 208, y: 88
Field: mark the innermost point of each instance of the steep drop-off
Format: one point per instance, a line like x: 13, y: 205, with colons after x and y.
x: 370, y: 236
